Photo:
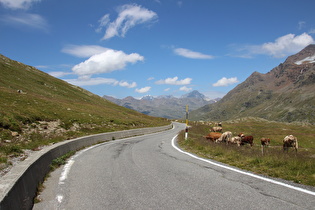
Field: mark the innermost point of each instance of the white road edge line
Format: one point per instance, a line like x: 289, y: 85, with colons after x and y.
x: 242, y: 172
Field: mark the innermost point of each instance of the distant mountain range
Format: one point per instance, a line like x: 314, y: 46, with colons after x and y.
x: 286, y: 93
x: 166, y: 106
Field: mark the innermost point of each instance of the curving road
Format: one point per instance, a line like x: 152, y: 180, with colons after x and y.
x: 148, y: 172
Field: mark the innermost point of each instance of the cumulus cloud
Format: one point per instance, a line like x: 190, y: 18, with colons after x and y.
x: 186, y: 89
x: 128, y: 85
x: 287, y: 44
x: 225, y: 82
x: 84, y: 51
x: 129, y: 15
x: 281, y: 47
x: 174, y: 81
x: 191, y: 54
x: 26, y: 19
x: 143, y: 90
x: 18, y: 4
x: 108, y: 61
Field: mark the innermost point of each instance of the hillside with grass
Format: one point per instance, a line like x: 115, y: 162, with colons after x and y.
x: 38, y: 109
x: 285, y: 94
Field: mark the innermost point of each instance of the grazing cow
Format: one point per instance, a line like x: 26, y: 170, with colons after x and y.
x: 216, y: 129
x: 225, y: 137
x: 265, y: 142
x: 236, y: 140
x: 246, y: 139
x: 290, y: 141
x: 213, y: 136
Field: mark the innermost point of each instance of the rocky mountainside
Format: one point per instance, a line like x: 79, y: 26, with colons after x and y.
x: 286, y: 93
x: 164, y: 106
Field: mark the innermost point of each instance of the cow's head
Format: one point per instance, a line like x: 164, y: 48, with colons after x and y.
x: 267, y: 142
x: 241, y: 135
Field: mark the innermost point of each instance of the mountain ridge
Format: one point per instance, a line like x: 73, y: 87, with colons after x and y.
x: 166, y: 106
x: 286, y: 93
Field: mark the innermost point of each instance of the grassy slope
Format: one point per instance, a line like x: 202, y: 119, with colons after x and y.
x: 290, y: 166
x: 45, y: 98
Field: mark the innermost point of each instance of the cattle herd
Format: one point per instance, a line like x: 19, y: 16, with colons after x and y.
x: 217, y: 135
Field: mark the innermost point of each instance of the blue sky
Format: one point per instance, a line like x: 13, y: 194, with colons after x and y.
x: 135, y: 48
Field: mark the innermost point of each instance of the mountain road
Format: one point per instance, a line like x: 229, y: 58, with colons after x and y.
x: 151, y: 172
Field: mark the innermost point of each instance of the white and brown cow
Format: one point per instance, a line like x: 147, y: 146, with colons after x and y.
x: 216, y: 129
x: 246, y: 139
x: 225, y: 137
x: 290, y: 141
x: 236, y: 140
x: 265, y: 142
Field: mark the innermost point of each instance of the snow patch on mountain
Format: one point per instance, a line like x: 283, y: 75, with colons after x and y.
x: 310, y: 59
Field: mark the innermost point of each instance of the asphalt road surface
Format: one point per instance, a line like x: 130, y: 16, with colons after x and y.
x: 149, y: 172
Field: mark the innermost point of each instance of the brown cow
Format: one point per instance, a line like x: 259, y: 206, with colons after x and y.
x: 246, y: 139
x: 265, y: 142
x: 290, y: 141
x: 213, y: 136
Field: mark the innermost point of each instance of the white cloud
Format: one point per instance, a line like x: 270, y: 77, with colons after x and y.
x: 129, y: 15
x: 174, y: 81
x: 59, y: 73
x: 88, y: 81
x: 184, y: 88
x: 150, y: 78
x: 30, y: 20
x: 191, y: 54
x: 92, y: 81
x: 103, y: 23
x: 143, y: 90
x: 18, y: 4
x: 41, y: 67
x: 287, y: 44
x: 225, y: 82
x: 128, y: 85
x: 84, y: 51
x: 167, y: 89
x: 281, y: 47
x: 108, y: 61
x: 301, y: 24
